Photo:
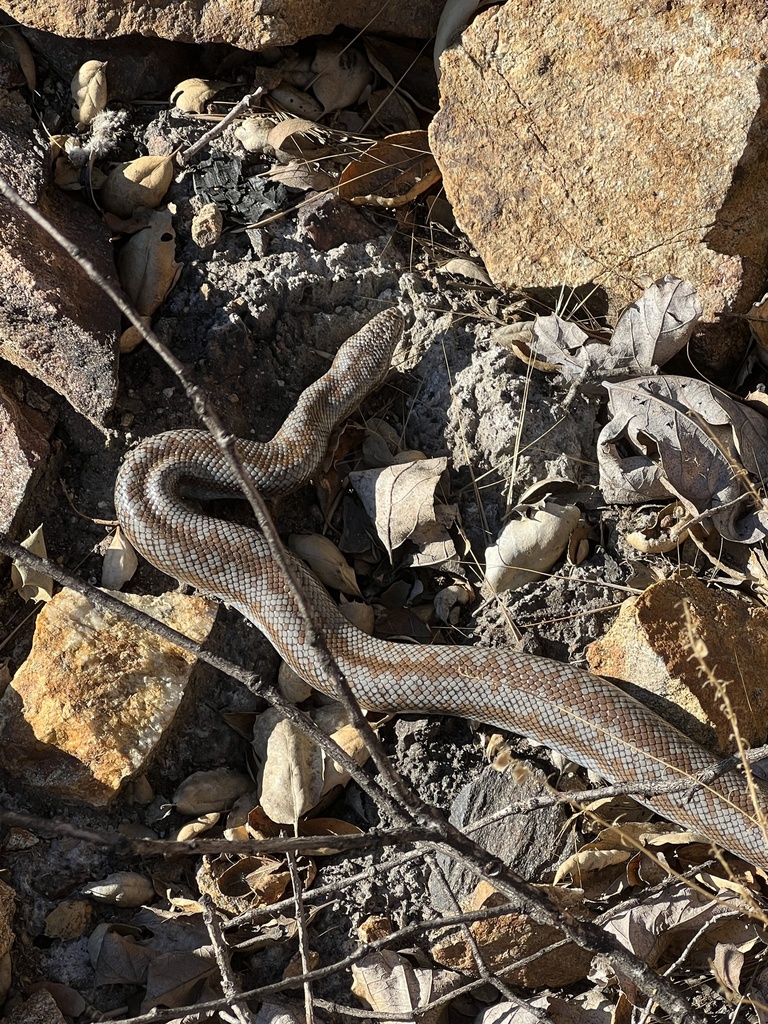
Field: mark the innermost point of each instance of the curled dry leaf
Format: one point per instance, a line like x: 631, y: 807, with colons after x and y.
x: 326, y: 561
x: 198, y: 827
x: 668, y: 531
x: 193, y: 94
x: 468, y: 269
x: 147, y: 264
x: 292, y: 686
x: 253, y: 134
x: 296, y: 102
x: 120, y: 562
x: 341, y: 74
x: 89, y: 91
x: 674, y: 436
x: 237, y: 883
x: 391, y: 173
x: 140, y: 182
x: 529, y: 544
x: 213, y: 790
x: 31, y: 584
x: 123, y: 888
x: 450, y: 600
x: 647, y: 334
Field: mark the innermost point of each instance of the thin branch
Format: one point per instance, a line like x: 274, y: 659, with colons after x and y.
x: 229, y: 986
x: 237, y: 111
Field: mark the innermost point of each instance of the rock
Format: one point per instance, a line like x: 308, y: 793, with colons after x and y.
x: 649, y: 645
x: 24, y: 451
x: 326, y: 222
x: 504, y: 941
x: 39, y: 1008
x: 252, y: 25
x: 54, y: 323
x: 94, y: 698
x: 576, y: 145
x: 531, y: 844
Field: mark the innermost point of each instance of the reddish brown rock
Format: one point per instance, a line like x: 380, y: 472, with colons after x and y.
x: 94, y: 698
x: 54, y: 323
x: 602, y: 141
x: 650, y: 645
x: 251, y: 24
x: 505, y: 941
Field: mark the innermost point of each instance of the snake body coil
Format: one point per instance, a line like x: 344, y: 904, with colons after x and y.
x: 583, y: 716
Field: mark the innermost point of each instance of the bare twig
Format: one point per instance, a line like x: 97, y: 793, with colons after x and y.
x: 237, y: 111
x: 229, y: 986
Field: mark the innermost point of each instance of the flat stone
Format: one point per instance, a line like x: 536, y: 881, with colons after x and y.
x: 54, y: 323
x: 602, y: 142
x: 650, y: 647
x: 250, y: 25
x: 89, y: 706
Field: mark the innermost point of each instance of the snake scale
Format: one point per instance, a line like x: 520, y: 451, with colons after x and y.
x: 588, y: 719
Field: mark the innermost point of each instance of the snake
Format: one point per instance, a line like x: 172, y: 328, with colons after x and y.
x: 590, y: 720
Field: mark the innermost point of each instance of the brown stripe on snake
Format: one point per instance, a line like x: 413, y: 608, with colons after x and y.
x: 583, y: 716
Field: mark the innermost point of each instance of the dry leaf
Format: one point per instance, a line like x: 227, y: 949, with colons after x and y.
x: 392, y: 112
x: 253, y: 133
x: 300, y: 176
x: 467, y: 269
x: 757, y: 319
x: 140, y: 182
x: 89, y: 91
x: 123, y: 888
x: 116, y: 956
x: 386, y: 982
x: 450, y: 600
x: 399, y: 499
x: 341, y: 75
x: 120, y: 562
x: 296, y: 773
x: 24, y: 54
x: 292, y: 781
x: 31, y: 584
x: 529, y: 545
x: 198, y: 827
x: 326, y: 561
x: 391, y: 173
x: 676, y: 915
x: 193, y: 94
x: 147, y: 264
x: 647, y: 334
x: 296, y: 102
x: 181, y: 978
x: 674, y: 436
x: 213, y: 790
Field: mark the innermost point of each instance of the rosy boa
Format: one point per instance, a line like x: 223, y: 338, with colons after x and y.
x: 583, y: 716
